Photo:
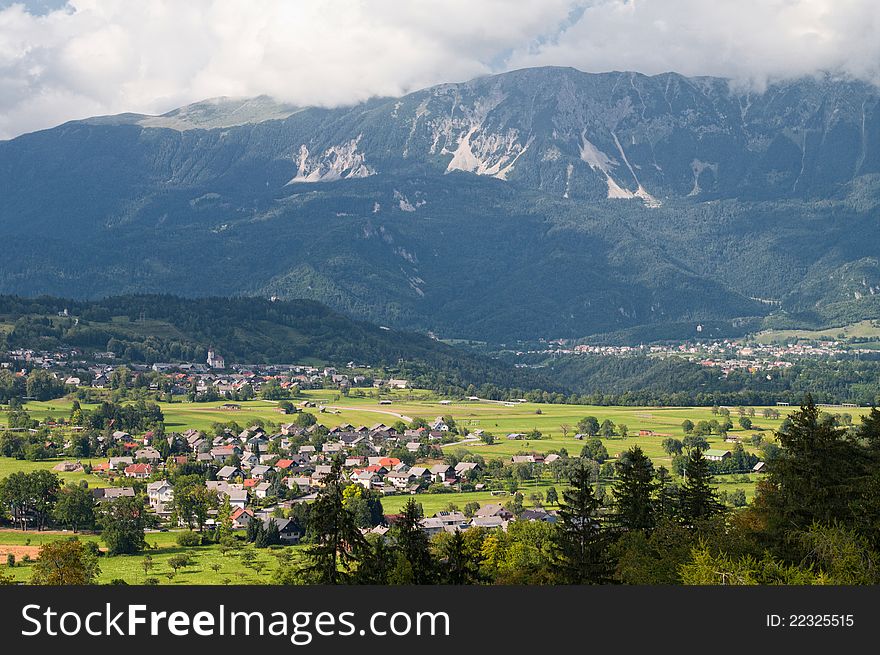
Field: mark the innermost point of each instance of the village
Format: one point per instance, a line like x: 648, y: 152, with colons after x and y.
x: 727, y: 355
x: 263, y: 476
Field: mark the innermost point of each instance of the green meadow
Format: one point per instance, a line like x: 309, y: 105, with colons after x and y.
x: 498, y: 418
x: 209, y: 564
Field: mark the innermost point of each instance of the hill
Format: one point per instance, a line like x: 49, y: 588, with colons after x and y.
x: 149, y: 329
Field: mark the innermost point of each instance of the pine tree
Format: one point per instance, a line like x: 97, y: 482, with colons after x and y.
x: 337, y: 543
x: 413, y: 545
x: 253, y: 530
x: 377, y: 562
x: 819, y: 475
x: 668, y: 496
x: 259, y: 534
x: 459, y: 566
x: 273, y: 536
x: 634, y: 490
x: 579, y: 542
x: 699, y: 501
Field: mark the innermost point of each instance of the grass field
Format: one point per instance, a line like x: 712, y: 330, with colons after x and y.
x: 210, y: 566
x: 8, y: 465
x: 498, y: 418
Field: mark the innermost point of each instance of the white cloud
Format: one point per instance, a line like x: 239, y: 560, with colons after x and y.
x: 107, y: 56
x: 747, y: 40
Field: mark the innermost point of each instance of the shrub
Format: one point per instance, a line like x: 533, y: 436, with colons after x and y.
x: 188, y: 538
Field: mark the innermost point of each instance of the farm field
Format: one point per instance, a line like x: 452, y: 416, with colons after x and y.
x: 497, y: 418
x: 230, y: 568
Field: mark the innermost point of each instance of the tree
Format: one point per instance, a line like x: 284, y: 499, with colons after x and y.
x: 672, y: 446
x: 413, y: 546
x: 224, y: 520
x: 123, y: 521
x: 552, y: 497
x: 75, y: 507
x: 687, y: 426
x: 41, y: 385
x: 738, y: 498
x: 594, y: 449
x: 377, y: 562
x: 255, y: 531
x: 820, y: 474
x: 698, y: 499
x: 30, y: 497
x: 337, y: 543
x: 147, y: 564
x: 695, y: 442
x: 193, y: 500
x: 623, y: 429
x: 579, y: 542
x: 588, y: 425
x: 470, y: 508
x: 565, y: 428
x: 634, y: 490
x: 270, y: 536
x: 607, y: 428
x: 66, y: 562
x: 177, y: 562
x: 460, y: 566
x: 745, y: 422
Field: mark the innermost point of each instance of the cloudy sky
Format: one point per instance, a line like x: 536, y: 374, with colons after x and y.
x: 62, y: 60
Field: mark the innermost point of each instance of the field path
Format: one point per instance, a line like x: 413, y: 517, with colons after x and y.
x: 462, y: 442
x: 402, y: 417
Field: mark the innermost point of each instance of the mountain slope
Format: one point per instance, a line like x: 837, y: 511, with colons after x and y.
x: 543, y: 202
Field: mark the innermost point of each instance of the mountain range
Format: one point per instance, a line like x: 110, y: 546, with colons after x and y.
x: 544, y: 202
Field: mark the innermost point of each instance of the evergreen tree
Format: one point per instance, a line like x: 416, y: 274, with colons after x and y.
x: 254, y: 527
x: 459, y: 566
x: 820, y: 475
x: 337, y: 543
x: 273, y: 536
x: 699, y: 501
x: 668, y: 496
x: 634, y: 489
x: 413, y: 546
x: 579, y: 541
x: 869, y: 430
x: 261, y: 536
x: 377, y: 562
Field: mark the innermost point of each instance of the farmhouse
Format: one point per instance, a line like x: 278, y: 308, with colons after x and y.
x: 139, y: 471
x: 716, y: 455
